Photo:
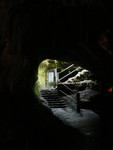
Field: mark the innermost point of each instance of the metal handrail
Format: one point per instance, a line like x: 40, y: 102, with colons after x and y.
x: 66, y: 87
x: 66, y: 68
x: 68, y: 74
x: 66, y: 95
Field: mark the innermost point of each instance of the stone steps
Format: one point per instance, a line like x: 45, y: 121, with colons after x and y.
x: 53, y: 99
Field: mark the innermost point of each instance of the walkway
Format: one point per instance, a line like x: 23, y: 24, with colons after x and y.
x: 87, y: 121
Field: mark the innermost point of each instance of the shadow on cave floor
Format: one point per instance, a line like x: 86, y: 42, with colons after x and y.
x: 37, y: 128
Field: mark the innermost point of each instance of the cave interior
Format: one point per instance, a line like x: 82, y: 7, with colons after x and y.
x: 78, y: 32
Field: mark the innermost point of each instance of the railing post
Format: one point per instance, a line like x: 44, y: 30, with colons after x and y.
x: 78, y: 102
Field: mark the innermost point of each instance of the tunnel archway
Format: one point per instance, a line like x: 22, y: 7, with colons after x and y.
x: 56, y: 93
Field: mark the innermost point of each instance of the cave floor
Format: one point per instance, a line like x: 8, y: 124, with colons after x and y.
x: 86, y: 121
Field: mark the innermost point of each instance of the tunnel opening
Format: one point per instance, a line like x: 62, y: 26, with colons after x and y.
x: 49, y: 72
x: 61, y: 84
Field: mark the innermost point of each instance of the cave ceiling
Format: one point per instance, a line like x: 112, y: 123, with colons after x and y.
x: 71, y: 31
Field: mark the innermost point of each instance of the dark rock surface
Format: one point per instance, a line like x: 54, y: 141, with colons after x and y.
x: 31, y: 31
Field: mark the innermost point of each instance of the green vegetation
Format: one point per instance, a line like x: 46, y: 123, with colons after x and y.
x: 36, y: 91
x: 42, y: 72
x: 47, y: 65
